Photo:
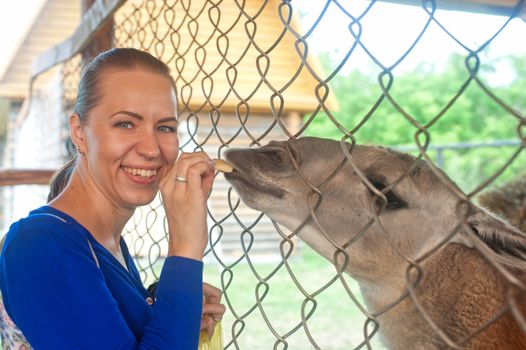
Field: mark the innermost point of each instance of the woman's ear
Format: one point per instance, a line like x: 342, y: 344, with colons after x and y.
x: 77, y: 132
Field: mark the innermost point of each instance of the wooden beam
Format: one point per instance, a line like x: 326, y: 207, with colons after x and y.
x: 493, y: 7
x: 13, y: 177
x: 93, y: 19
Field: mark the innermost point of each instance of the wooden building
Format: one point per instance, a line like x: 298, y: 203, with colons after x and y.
x: 241, y: 81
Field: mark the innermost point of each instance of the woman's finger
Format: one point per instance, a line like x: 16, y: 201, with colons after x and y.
x: 215, y: 311
x: 211, y: 305
x: 190, y: 170
x: 195, y: 174
x: 211, y: 292
x: 186, y: 160
x: 208, y: 325
x: 211, y: 328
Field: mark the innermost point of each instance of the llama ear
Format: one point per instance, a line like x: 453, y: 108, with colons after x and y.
x: 488, y: 224
x: 497, y: 234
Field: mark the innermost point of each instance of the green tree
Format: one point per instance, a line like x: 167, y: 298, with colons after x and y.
x: 446, y: 102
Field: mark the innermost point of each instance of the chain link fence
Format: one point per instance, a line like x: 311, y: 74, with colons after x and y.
x: 246, y: 74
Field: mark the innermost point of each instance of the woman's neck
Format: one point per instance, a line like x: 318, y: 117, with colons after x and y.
x: 88, y: 206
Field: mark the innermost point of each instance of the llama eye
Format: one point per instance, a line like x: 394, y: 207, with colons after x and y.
x: 275, y: 157
x: 393, y: 201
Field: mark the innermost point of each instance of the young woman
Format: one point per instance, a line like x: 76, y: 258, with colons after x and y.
x: 67, y: 278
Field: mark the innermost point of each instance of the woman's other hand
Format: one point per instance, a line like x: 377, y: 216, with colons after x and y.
x: 213, y: 310
x: 184, y: 190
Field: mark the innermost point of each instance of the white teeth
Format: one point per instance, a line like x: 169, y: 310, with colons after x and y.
x: 140, y: 172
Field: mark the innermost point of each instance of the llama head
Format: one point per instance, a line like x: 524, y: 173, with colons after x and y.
x: 333, y: 199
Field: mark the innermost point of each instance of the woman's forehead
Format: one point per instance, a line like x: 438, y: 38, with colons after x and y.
x: 138, y: 88
x: 113, y: 75
x: 137, y: 91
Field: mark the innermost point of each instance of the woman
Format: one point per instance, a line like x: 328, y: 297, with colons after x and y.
x: 68, y: 280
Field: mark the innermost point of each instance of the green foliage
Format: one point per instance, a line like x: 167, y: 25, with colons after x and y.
x: 448, y: 103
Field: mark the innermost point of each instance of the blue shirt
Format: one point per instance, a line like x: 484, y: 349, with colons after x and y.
x: 57, y: 295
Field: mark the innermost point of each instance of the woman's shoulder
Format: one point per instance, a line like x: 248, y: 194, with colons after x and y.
x: 44, y: 227
x: 44, y: 215
x: 45, y: 219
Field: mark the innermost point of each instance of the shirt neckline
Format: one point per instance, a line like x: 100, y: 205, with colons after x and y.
x: 70, y: 220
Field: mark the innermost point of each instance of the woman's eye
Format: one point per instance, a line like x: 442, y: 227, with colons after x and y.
x: 124, y: 125
x: 167, y: 129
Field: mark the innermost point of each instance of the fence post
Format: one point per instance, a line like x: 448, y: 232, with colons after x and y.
x: 440, y: 157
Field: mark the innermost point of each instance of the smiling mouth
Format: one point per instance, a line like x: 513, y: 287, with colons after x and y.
x: 144, y: 173
x: 245, y: 180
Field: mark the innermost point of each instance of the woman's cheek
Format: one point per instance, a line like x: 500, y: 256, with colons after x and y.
x: 171, y: 151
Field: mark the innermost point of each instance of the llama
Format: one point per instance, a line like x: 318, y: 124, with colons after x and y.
x: 385, y: 209
x: 508, y: 201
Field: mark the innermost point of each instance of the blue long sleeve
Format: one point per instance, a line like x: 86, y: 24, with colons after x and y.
x: 60, y: 299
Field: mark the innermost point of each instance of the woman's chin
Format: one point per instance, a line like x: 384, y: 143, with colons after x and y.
x: 140, y: 200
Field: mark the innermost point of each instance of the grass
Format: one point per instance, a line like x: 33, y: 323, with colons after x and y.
x: 267, y: 302
x: 265, y: 305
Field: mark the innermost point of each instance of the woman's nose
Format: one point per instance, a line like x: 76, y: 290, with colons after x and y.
x: 148, y: 146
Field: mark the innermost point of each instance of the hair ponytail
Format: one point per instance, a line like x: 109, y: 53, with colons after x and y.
x: 61, y: 178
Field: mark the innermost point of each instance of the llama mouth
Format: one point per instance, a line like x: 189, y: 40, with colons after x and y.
x: 242, y: 181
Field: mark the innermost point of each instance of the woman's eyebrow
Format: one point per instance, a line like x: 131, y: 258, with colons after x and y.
x: 131, y: 114
x: 140, y: 117
x: 168, y: 120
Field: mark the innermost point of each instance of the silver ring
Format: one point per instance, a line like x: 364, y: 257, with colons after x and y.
x: 180, y: 179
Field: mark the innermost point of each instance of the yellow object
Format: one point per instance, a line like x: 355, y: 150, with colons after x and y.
x: 223, y: 166
x: 216, y: 343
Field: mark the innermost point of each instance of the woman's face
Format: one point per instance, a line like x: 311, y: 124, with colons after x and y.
x: 131, y: 136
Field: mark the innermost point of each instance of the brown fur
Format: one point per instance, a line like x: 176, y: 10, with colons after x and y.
x: 460, y: 274
x: 509, y: 201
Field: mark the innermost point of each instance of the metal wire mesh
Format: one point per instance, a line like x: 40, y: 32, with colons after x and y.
x: 245, y: 76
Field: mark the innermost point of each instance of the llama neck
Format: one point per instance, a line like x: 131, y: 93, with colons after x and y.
x: 401, y: 325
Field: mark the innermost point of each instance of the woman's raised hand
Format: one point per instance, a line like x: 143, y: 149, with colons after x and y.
x: 184, y: 190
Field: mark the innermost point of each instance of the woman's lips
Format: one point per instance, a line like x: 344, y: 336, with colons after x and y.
x: 141, y: 176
